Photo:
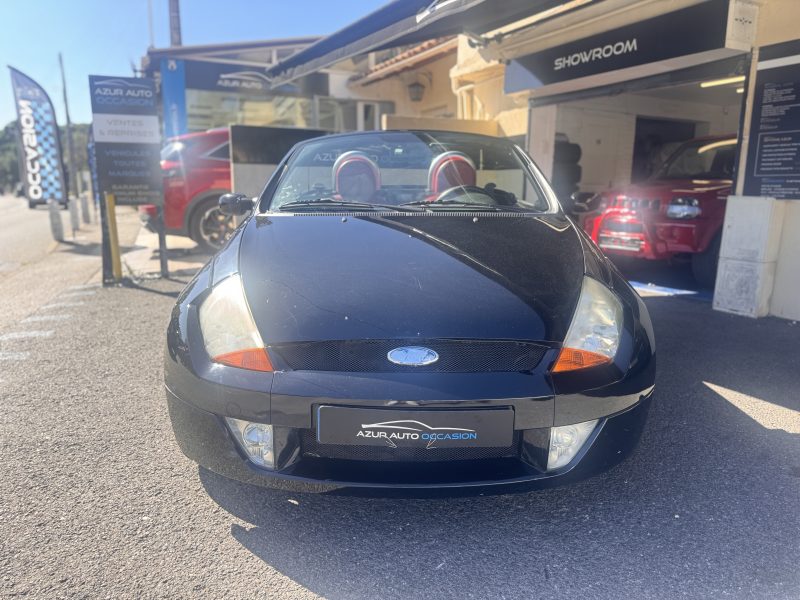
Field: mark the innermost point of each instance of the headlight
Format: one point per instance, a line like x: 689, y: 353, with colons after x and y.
x: 593, y: 336
x: 683, y: 208
x: 229, y: 332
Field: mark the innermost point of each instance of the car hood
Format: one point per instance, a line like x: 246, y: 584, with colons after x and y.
x: 334, y: 277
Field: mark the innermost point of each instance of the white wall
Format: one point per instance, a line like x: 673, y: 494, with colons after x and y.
x: 786, y: 292
x: 605, y: 128
x: 438, y: 99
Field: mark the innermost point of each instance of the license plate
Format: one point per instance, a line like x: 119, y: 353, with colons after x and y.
x: 433, y: 428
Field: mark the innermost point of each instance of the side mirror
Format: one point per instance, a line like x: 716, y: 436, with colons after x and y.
x: 235, y: 204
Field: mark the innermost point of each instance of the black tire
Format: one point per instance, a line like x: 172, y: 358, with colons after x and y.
x: 566, y: 152
x: 704, y: 264
x: 566, y: 173
x: 564, y: 194
x: 206, y: 240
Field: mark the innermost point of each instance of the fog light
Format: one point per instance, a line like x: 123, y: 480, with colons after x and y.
x: 255, y: 439
x: 566, y: 441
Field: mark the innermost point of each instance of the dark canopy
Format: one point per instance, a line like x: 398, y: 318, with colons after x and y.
x: 405, y: 22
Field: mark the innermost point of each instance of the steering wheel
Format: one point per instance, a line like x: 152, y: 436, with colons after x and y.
x: 315, y: 192
x: 462, y: 190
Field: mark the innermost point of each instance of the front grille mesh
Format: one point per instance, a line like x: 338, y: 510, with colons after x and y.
x: 634, y: 203
x: 310, y: 447
x: 622, y: 226
x: 455, y: 356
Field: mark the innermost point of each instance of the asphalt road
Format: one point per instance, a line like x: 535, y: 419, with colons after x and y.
x: 34, y: 269
x: 26, y: 236
x: 97, y: 500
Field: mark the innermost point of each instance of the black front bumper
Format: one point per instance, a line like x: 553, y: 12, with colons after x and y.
x: 200, y: 393
x: 204, y: 438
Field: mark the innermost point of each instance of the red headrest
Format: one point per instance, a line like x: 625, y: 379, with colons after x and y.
x: 450, y: 169
x: 356, y: 177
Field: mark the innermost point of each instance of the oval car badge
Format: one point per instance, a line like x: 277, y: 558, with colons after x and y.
x: 412, y: 356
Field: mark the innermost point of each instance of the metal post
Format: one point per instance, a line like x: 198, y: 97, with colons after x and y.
x: 151, y: 37
x: 100, y: 205
x: 162, y: 241
x: 113, y: 237
x: 74, y: 182
x: 174, y: 23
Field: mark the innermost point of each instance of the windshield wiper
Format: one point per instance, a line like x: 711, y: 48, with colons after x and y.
x: 326, y: 202
x: 453, y: 204
x: 333, y: 202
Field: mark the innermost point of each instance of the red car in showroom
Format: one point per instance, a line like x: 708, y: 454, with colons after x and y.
x: 197, y: 170
x: 677, y: 213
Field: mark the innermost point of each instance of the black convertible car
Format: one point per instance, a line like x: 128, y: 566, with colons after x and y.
x: 407, y: 309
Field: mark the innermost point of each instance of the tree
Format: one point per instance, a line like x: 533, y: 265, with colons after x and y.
x: 9, y: 167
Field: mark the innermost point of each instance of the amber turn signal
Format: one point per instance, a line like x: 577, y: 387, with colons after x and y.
x: 572, y: 359
x: 252, y: 359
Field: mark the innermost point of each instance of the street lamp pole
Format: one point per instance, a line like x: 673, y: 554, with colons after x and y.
x: 74, y: 180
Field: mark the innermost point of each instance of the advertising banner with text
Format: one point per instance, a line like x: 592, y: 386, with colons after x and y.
x: 692, y: 30
x: 39, y: 147
x: 127, y: 138
x: 773, y: 155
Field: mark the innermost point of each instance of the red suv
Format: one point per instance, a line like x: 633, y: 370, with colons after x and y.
x: 197, y: 170
x: 678, y: 212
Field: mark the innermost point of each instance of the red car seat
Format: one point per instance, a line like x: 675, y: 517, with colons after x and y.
x: 356, y: 177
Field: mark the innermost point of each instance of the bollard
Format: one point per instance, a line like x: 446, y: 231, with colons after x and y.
x: 113, y: 237
x: 73, y: 215
x: 56, y: 226
x: 85, y: 209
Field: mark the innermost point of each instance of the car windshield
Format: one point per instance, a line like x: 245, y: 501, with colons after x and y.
x: 701, y: 159
x: 412, y: 170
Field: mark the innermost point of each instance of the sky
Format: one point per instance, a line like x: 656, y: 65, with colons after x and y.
x: 103, y: 37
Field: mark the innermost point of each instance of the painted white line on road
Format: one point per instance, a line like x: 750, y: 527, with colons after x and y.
x: 23, y: 335
x: 43, y: 318
x: 61, y: 305
x: 14, y: 355
x: 76, y: 294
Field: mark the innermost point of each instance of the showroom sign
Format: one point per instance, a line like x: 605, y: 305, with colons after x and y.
x: 773, y: 155
x: 39, y: 148
x: 596, y: 53
x: 127, y: 138
x: 698, y: 28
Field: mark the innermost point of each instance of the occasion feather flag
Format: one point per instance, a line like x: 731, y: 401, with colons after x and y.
x: 39, y: 146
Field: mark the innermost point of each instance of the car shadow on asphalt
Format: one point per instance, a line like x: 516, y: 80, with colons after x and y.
x: 91, y: 248
x: 705, y: 507
x: 659, y: 272
x: 142, y: 286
